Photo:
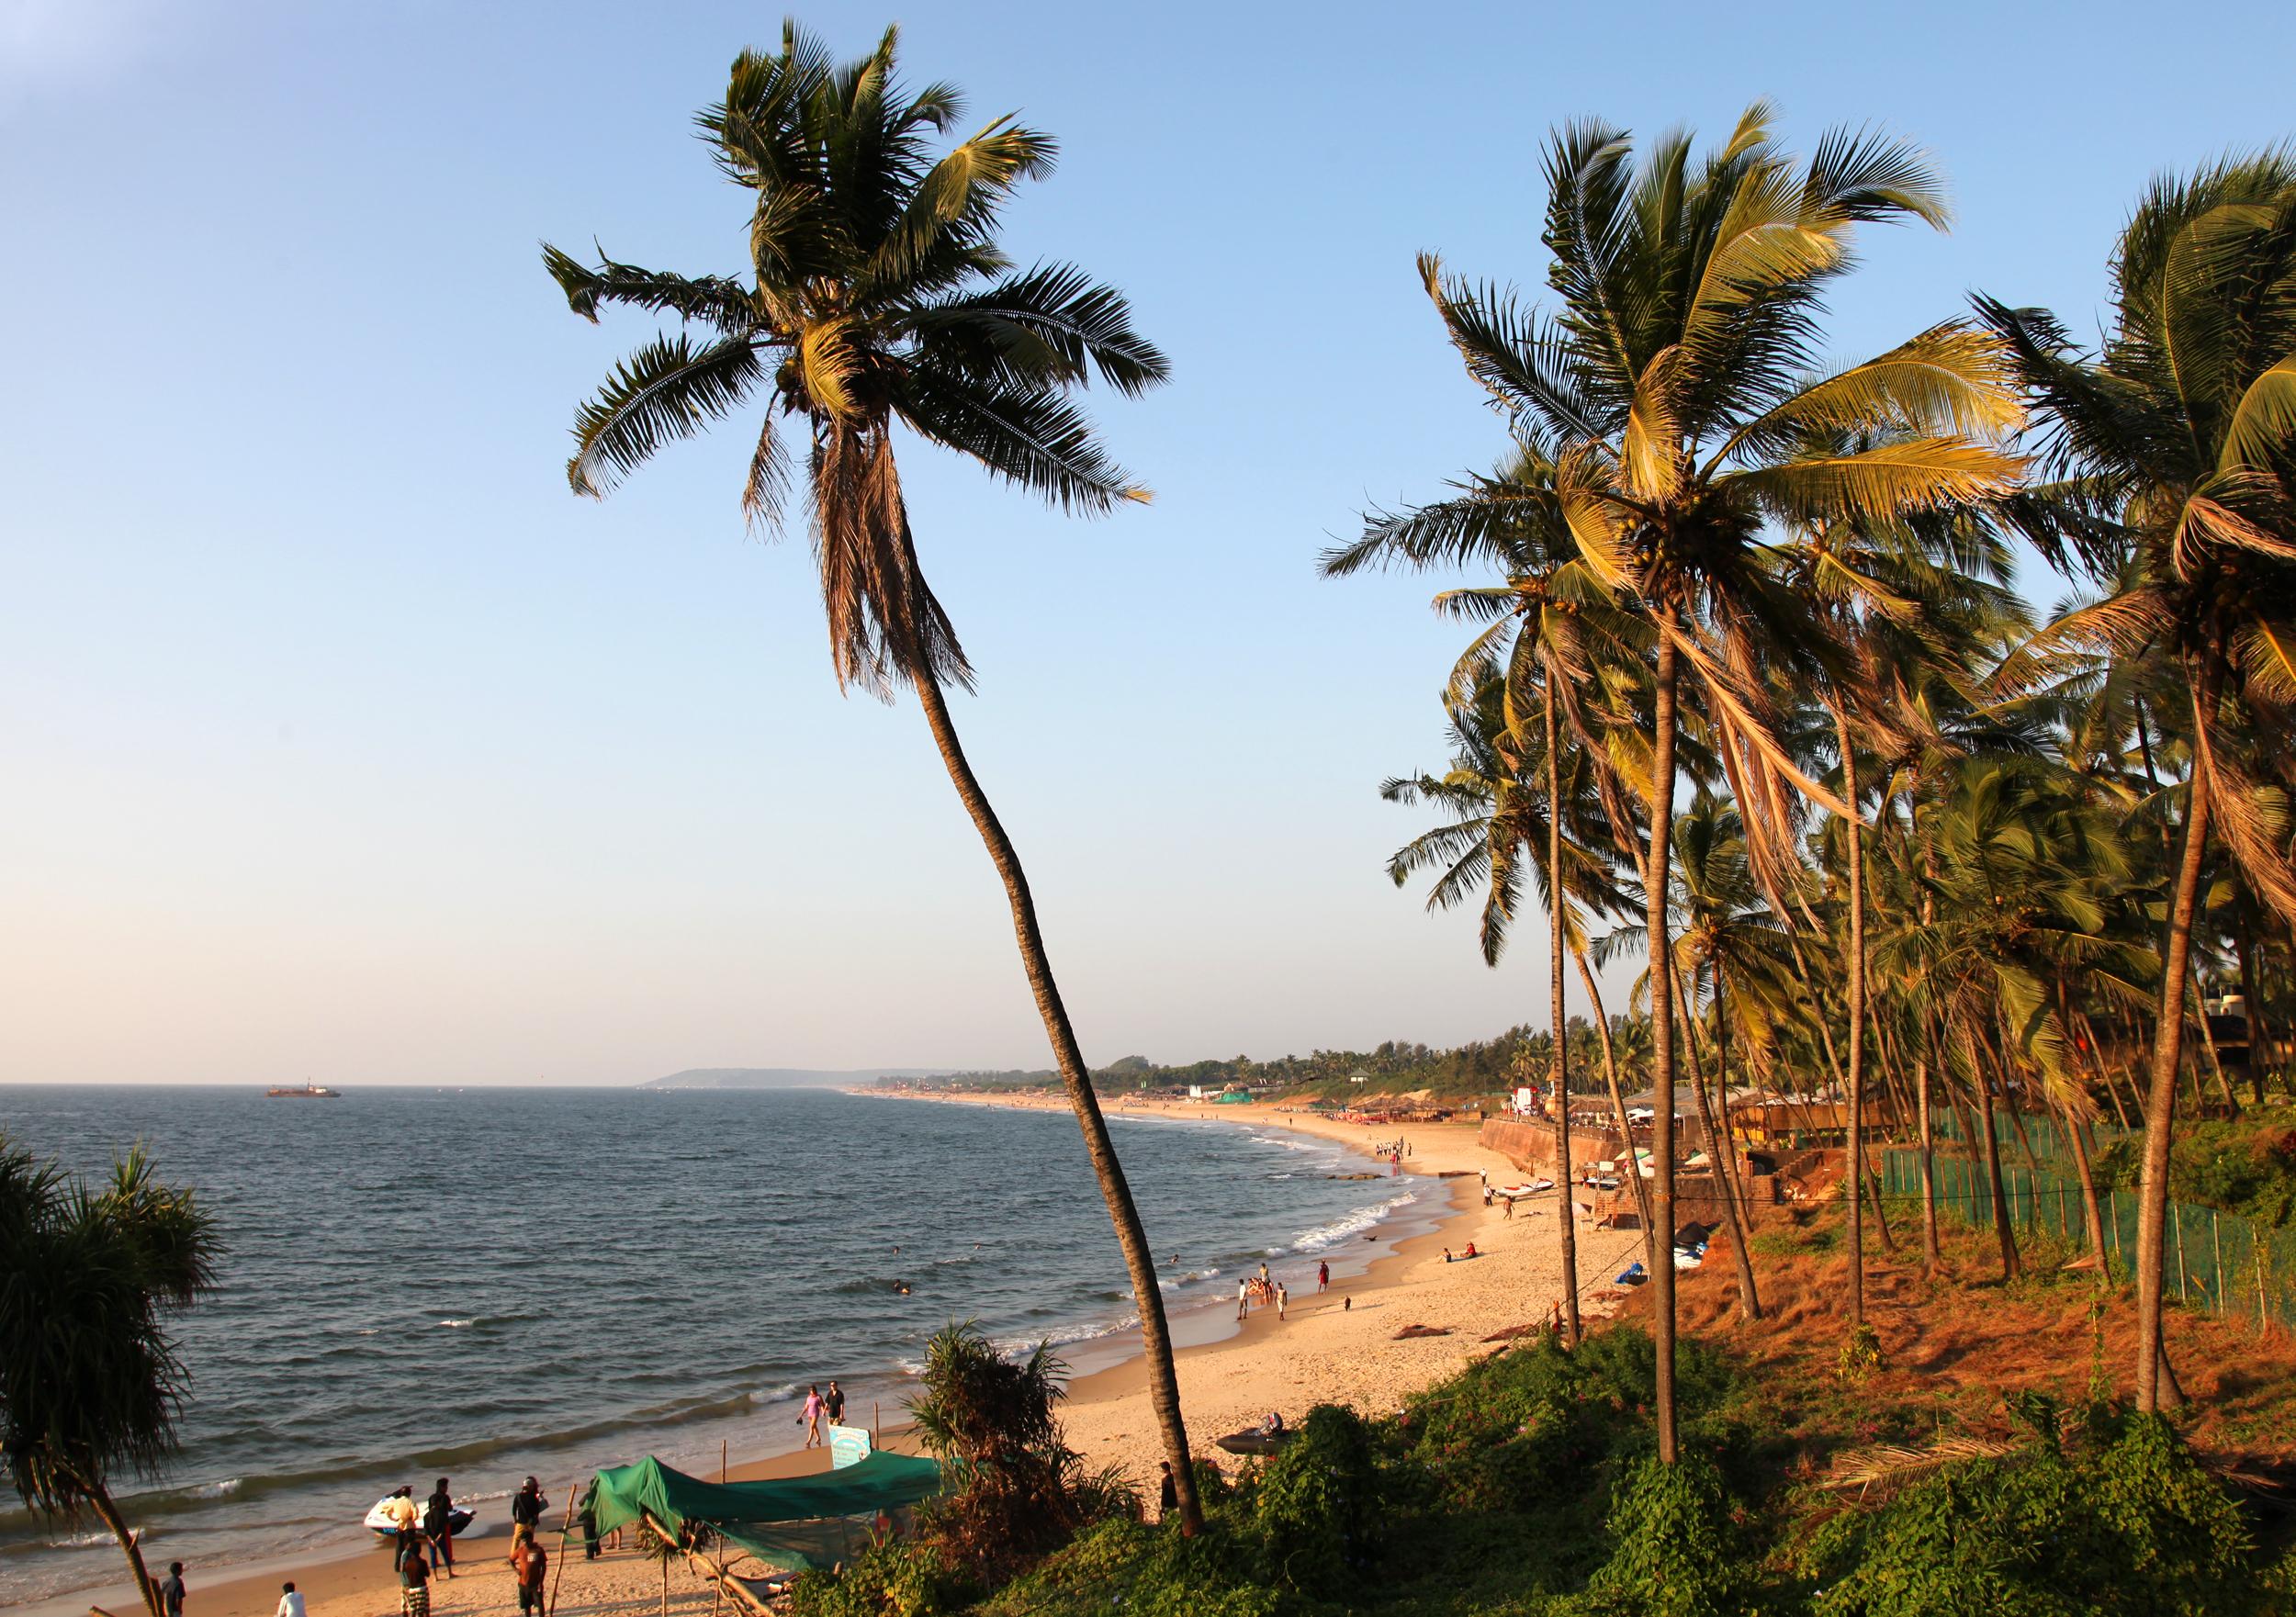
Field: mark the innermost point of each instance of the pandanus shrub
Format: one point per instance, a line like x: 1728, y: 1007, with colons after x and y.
x: 1016, y: 1490
x: 91, y: 1276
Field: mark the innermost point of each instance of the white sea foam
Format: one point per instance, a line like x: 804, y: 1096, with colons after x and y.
x: 1014, y: 1347
x: 1339, y: 1229
x: 458, y: 1324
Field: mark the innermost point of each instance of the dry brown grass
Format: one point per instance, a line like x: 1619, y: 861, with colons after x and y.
x: 1961, y: 1344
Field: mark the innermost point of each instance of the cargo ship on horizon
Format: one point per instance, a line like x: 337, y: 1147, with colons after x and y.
x: 303, y: 1092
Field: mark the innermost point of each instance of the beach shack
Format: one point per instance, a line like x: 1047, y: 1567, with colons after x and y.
x: 749, y: 1537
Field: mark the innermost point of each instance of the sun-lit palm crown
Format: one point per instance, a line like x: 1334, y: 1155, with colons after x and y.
x: 2174, y: 458
x: 1676, y: 404
x: 877, y: 294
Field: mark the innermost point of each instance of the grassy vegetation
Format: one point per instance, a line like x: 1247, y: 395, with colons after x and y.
x: 1984, y: 1464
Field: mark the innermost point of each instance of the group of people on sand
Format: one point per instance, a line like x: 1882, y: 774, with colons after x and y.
x: 1264, y: 1290
x: 424, y: 1544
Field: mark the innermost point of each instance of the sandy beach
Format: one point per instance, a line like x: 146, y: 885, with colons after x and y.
x: 1340, y: 1346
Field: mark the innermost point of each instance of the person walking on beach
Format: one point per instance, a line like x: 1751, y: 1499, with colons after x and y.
x: 1283, y: 1300
x: 1242, y: 1297
x: 290, y: 1603
x: 526, y: 1508
x: 1322, y: 1276
x: 438, y: 1527
x: 530, y: 1578
x: 414, y: 1585
x: 1510, y: 1207
x: 834, y: 1405
x: 172, y: 1591
x: 811, y: 1419
x: 1167, y: 1497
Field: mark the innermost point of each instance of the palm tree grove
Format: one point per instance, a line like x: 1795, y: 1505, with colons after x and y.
x: 1879, y: 758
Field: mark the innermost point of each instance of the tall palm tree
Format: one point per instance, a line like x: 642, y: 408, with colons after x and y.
x: 1505, y: 804
x: 2173, y: 452
x: 1673, y: 394
x: 1914, y: 603
x: 877, y: 296
x: 90, y: 1383
x: 2024, y: 879
x: 1552, y: 629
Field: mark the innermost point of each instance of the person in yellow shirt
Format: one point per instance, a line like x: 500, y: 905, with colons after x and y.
x: 399, y: 1510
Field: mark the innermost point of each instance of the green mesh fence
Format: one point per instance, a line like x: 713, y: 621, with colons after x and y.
x: 2020, y: 1131
x: 2219, y: 1261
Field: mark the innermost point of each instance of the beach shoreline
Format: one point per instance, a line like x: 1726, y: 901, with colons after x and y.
x: 1339, y: 1347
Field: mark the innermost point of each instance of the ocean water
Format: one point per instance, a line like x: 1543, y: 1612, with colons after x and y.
x: 481, y: 1284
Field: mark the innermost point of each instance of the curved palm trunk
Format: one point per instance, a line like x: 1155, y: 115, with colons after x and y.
x: 1164, y: 1387
x: 1817, y: 1007
x: 1929, y: 1055
x: 2092, y: 1216
x: 1568, y: 1221
x: 1741, y: 1175
x: 1662, y: 1042
x: 2251, y: 998
x: 2001, y: 1231
x: 1748, y: 1299
x: 1855, y: 1087
x: 1890, y: 1083
x: 1618, y: 1110
x: 2167, y: 1054
x: 108, y: 1513
x: 1929, y: 1164
x: 2208, y: 1043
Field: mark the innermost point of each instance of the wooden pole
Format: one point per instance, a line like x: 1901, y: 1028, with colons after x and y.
x: 558, y: 1574
x: 724, y: 1448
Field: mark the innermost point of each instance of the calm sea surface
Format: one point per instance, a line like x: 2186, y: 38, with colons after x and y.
x: 483, y: 1282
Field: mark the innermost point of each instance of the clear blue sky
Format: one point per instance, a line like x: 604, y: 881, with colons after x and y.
x: 337, y: 738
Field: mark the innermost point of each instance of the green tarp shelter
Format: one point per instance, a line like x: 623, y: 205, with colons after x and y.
x: 788, y: 1521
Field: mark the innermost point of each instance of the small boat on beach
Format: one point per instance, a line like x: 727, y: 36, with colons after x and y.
x: 1254, y: 1443
x: 378, y: 1519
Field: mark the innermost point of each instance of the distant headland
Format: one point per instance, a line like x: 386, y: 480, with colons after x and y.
x: 783, y: 1077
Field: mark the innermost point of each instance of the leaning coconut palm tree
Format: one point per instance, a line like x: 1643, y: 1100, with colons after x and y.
x: 90, y: 1383
x: 1506, y: 802
x: 1675, y: 393
x: 2173, y: 453
x: 877, y: 298
x: 1912, y: 604
x: 1552, y: 629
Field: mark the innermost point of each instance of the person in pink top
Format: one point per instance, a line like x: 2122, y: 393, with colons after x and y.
x: 812, y: 1417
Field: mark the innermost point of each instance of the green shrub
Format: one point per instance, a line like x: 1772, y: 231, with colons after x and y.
x: 1675, y: 1552
x: 889, y: 1580
x: 2245, y: 1165
x: 2133, y: 1528
x: 1318, y: 1510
